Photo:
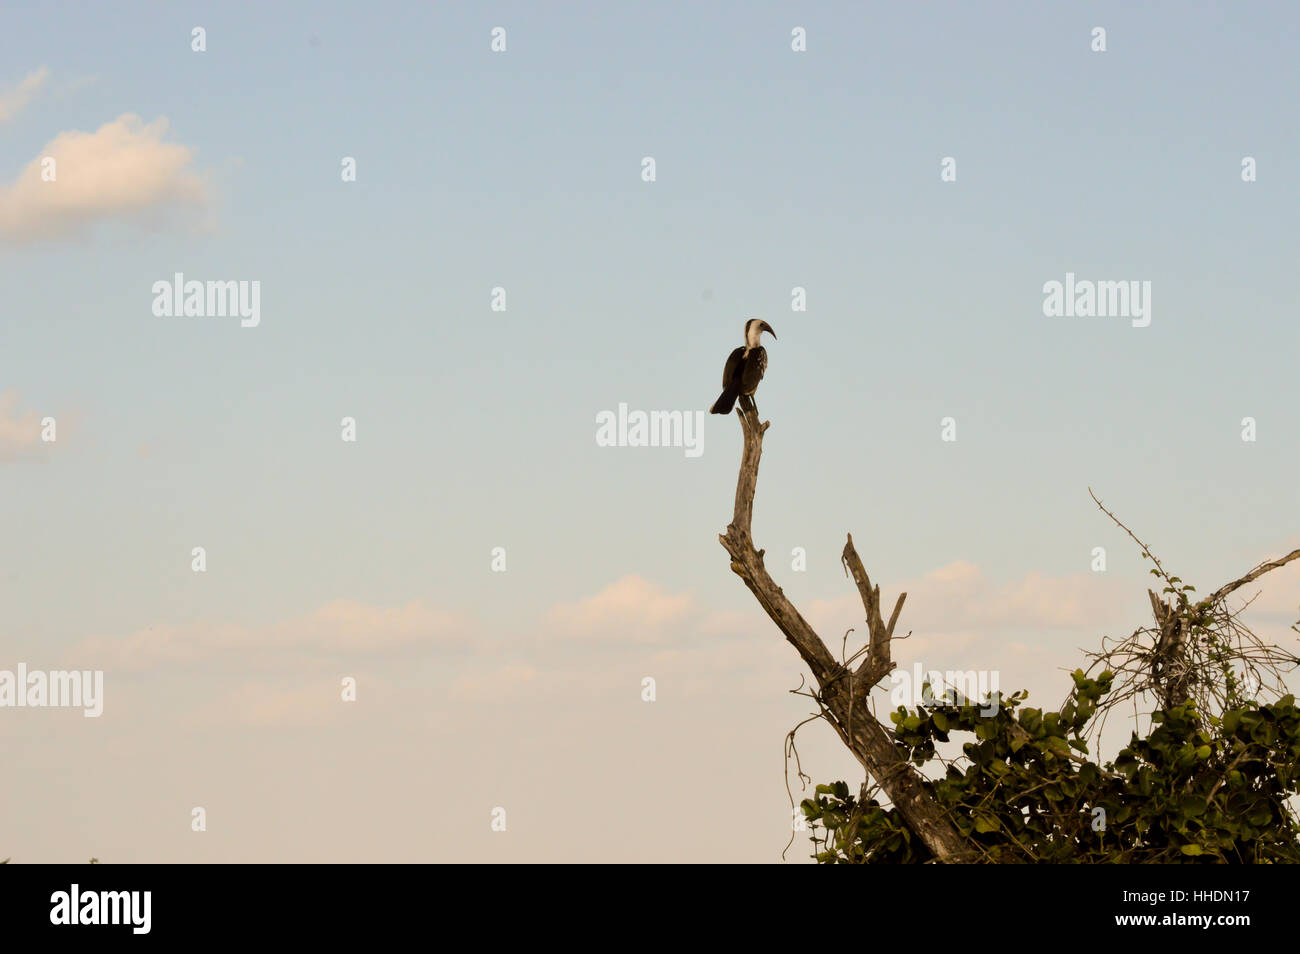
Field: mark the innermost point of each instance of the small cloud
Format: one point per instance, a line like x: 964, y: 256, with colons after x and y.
x: 13, y: 100
x: 959, y: 573
x: 958, y: 600
x: 340, y: 628
x: 123, y: 170
x: 631, y: 609
x: 499, y: 686
x: 285, y: 703
x: 20, y: 434
x: 1039, y: 601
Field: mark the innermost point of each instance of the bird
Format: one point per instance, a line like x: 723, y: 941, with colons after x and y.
x: 744, y: 367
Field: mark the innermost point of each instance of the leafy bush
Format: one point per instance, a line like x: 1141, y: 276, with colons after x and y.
x: 1196, y: 789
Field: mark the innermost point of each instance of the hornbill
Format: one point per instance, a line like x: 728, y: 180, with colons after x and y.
x: 744, y: 368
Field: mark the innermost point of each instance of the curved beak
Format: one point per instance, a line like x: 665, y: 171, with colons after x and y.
x: 764, y: 326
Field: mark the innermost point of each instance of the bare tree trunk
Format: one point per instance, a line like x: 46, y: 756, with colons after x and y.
x: 842, y: 691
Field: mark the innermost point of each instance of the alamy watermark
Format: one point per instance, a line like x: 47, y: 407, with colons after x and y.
x: 1104, y: 299
x: 179, y: 298
x: 56, y: 689
x: 129, y: 908
x: 651, y: 429
x: 930, y: 688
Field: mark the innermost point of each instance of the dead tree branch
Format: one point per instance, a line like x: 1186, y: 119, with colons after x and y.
x: 866, y: 738
x: 1253, y: 575
x: 878, y: 663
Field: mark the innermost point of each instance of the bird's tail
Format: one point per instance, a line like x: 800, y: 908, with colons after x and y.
x: 725, y: 402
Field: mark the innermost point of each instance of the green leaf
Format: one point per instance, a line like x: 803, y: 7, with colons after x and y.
x: 1059, y: 746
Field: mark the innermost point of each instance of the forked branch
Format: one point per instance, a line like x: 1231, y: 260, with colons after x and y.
x: 838, y: 688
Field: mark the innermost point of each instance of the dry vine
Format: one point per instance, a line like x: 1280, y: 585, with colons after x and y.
x: 1197, y: 650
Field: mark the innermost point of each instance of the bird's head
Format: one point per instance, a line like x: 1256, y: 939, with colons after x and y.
x: 754, y: 329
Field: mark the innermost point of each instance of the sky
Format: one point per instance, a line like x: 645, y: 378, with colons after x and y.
x: 499, y: 584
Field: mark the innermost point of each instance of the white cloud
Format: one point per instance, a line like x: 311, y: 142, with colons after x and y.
x: 340, y: 628
x: 12, y: 101
x: 959, y: 596
x: 123, y: 170
x: 20, y: 434
x: 631, y: 609
x: 284, y: 703
x: 497, y: 686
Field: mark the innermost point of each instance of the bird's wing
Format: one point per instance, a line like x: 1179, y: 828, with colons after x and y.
x: 753, y: 371
x: 732, y: 368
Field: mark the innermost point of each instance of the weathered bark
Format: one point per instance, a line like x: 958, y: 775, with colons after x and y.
x: 1169, y: 664
x: 878, y: 663
x: 840, y: 688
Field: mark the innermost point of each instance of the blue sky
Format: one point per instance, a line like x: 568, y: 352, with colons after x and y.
x: 476, y: 428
